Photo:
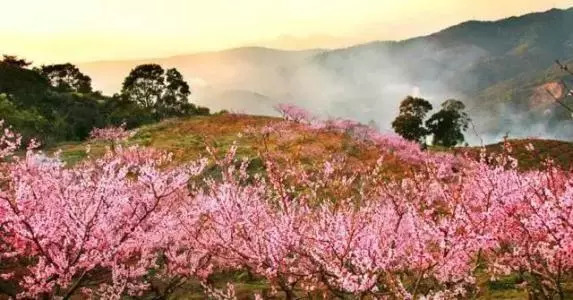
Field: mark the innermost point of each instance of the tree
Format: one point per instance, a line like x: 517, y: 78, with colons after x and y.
x: 164, y: 93
x: 118, y: 111
x: 28, y: 121
x: 410, y: 121
x: 145, y: 85
x: 67, y: 78
x: 175, y: 100
x: 448, y: 124
x: 13, y: 60
x: 84, y: 225
x: 56, y: 103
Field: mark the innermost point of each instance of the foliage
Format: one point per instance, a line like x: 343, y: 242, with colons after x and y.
x: 66, y: 78
x: 23, y: 85
x: 118, y: 111
x: 144, y: 85
x: 163, y: 93
x: 14, y: 61
x: 56, y: 103
x: 448, y: 124
x: 410, y: 121
x: 175, y: 100
x: 29, y: 122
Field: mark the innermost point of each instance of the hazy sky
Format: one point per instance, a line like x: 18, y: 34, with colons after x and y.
x: 85, y: 30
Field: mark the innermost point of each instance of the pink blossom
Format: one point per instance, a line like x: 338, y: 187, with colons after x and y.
x: 110, y: 133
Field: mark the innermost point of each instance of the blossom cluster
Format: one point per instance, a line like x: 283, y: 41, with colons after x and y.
x: 110, y: 134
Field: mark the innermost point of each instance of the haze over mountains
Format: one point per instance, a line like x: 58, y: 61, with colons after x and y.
x: 498, y: 69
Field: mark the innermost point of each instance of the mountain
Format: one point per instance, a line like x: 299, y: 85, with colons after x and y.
x: 498, y: 68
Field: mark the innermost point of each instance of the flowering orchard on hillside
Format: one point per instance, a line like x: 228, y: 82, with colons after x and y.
x: 132, y: 223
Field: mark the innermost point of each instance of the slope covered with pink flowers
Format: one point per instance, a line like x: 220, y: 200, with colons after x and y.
x: 387, y: 221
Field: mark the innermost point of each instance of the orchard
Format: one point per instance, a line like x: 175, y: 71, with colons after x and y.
x: 134, y: 222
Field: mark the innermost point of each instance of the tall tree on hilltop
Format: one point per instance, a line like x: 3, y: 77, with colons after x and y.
x: 164, y: 93
x: 67, y: 78
x: 175, y: 100
x: 448, y: 124
x: 145, y: 85
x: 410, y: 121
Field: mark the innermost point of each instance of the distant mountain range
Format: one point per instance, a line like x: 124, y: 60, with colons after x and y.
x: 499, y: 69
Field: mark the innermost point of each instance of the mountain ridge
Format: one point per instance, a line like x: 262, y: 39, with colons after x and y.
x: 366, y: 81
x: 232, y: 49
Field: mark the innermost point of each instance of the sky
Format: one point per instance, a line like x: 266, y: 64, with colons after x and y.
x: 92, y: 30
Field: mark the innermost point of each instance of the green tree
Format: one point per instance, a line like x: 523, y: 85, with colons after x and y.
x: 145, y: 85
x: 119, y: 111
x: 29, y: 122
x: 410, y: 121
x: 175, y: 99
x: 67, y: 78
x: 448, y: 124
x: 163, y: 93
x: 23, y: 85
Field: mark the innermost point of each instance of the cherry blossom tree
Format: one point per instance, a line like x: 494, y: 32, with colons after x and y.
x: 84, y: 225
x: 110, y: 134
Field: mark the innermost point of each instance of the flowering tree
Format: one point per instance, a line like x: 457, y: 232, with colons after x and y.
x: 110, y: 134
x: 92, y: 224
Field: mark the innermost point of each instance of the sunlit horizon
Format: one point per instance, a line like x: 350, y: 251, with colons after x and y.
x: 91, y: 30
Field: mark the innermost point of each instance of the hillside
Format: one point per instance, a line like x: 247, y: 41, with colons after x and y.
x: 259, y: 173
x: 560, y: 152
x: 495, y: 67
x: 188, y: 138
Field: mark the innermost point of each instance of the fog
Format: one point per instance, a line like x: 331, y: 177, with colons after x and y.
x: 364, y: 83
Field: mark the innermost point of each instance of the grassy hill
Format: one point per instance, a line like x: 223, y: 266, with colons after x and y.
x: 188, y: 138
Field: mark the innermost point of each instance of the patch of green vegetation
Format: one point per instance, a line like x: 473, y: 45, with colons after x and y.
x: 74, y: 156
x: 505, y: 283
